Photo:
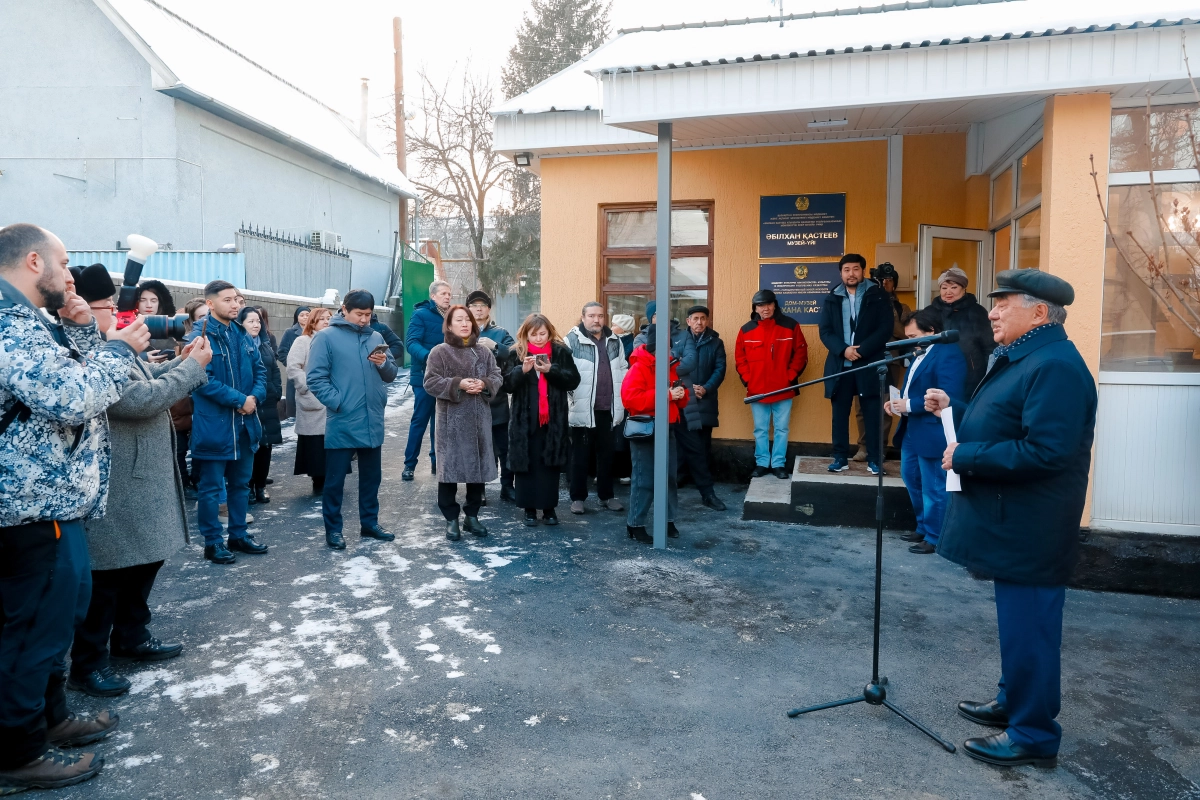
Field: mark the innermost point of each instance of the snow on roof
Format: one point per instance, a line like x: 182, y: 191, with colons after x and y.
x: 198, y: 68
x: 927, y: 23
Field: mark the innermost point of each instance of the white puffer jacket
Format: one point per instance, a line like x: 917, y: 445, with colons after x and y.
x: 583, y: 400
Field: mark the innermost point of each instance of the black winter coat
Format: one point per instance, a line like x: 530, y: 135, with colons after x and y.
x: 970, y: 319
x: 504, y: 358
x: 268, y: 410
x: 703, y: 412
x: 395, y: 343
x: 1025, y: 446
x: 563, y: 377
x: 872, y: 331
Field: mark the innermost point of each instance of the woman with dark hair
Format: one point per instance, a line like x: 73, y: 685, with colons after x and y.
x: 181, y: 412
x: 253, y: 322
x: 920, y: 436
x: 539, y: 441
x: 310, y: 414
x: 462, y: 376
x: 299, y: 320
x: 155, y: 298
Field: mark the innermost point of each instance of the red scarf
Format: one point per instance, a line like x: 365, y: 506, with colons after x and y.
x: 543, y: 398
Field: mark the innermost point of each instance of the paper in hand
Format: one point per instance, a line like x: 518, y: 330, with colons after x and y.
x: 953, y: 482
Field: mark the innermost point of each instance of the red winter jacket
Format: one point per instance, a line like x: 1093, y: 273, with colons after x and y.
x: 637, y: 390
x: 771, y: 354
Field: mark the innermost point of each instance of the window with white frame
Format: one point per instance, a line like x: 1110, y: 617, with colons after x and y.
x: 1016, y: 218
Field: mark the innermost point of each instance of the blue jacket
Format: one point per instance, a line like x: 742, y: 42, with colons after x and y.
x: 352, y: 389
x: 424, y: 333
x: 1025, y: 446
x: 919, y: 430
x: 710, y: 373
x: 235, y: 372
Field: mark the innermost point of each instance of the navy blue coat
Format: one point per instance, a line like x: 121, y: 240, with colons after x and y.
x: 235, y: 372
x: 352, y: 389
x: 919, y: 430
x: 395, y: 346
x: 872, y: 332
x: 1025, y: 446
x: 710, y: 373
x: 424, y: 333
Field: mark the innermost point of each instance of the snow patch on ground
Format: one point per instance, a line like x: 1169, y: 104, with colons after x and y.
x: 361, y: 575
x: 429, y: 593
x: 458, y: 624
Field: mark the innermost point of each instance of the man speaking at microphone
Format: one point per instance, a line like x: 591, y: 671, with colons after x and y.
x: 1023, y: 452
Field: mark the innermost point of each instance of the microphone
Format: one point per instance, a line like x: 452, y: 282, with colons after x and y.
x: 945, y: 337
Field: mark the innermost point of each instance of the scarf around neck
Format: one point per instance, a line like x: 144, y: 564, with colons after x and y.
x: 543, y: 397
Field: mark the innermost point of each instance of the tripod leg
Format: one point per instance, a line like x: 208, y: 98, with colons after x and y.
x: 795, y: 712
x: 948, y: 746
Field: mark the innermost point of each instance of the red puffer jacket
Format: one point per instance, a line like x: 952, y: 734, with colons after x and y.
x: 771, y: 354
x: 637, y: 390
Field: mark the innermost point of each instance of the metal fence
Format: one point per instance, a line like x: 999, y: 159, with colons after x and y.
x: 172, y: 265
x: 280, y: 262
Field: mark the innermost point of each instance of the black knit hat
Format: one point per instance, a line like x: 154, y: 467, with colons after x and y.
x: 651, y: 342
x: 94, y: 283
x: 479, y: 296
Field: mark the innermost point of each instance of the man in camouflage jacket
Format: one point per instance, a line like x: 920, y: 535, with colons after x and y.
x: 56, y: 381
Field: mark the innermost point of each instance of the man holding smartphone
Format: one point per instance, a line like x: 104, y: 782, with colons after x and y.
x: 349, y: 367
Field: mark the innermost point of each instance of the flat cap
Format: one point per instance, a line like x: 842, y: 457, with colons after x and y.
x: 1035, y: 283
x: 698, y: 309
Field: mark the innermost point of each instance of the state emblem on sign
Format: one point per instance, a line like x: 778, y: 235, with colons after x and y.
x: 801, y: 271
x: 802, y: 203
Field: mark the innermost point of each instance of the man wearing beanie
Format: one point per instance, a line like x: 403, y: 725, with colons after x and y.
x: 500, y: 342
x: 770, y: 354
x: 961, y: 312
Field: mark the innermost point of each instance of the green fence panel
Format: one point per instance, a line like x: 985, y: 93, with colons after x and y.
x: 415, y: 279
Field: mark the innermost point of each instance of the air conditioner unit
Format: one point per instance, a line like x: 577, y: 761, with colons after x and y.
x: 326, y: 240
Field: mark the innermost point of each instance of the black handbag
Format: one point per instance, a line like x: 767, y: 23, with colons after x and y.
x: 640, y: 426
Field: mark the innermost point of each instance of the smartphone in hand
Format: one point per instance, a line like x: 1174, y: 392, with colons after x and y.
x: 380, y: 348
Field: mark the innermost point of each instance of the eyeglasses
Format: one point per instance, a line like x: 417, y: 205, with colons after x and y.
x: 109, y: 306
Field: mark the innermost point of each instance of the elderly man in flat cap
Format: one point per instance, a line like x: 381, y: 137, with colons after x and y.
x: 1023, y: 451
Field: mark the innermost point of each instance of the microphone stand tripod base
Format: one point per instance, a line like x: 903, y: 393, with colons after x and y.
x: 875, y: 694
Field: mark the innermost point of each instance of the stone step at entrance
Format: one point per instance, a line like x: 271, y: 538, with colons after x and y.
x: 815, y: 496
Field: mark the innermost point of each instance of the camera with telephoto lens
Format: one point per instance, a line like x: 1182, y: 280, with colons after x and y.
x: 161, y: 326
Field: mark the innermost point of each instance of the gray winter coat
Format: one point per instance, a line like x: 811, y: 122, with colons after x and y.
x: 464, y: 421
x: 146, y: 520
x: 352, y: 389
x: 310, y: 414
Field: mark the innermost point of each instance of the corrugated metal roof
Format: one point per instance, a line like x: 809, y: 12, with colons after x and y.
x: 191, y: 266
x: 196, y: 67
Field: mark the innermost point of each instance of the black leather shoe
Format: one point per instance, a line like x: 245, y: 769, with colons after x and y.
x: 246, y: 544
x: 453, y: 533
x: 672, y: 531
x: 508, y: 493
x: 407, y: 475
x: 270, y: 480
x: 760, y: 471
x: 912, y: 537
x: 473, y: 526
x: 150, y: 650
x: 531, y: 519
x: 781, y: 473
x: 998, y: 749
x: 335, y: 540
x: 638, y: 533
x: 713, y: 502
x: 259, y: 495
x: 549, y: 518
x: 99, y: 683
x: 219, y: 554
x: 923, y: 549
x: 990, y: 713
x: 377, y: 532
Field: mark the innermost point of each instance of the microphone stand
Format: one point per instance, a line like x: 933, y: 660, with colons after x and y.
x: 875, y: 692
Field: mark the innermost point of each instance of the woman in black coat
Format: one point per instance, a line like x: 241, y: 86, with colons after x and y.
x: 539, y: 434
x: 251, y: 319
x: 961, y: 312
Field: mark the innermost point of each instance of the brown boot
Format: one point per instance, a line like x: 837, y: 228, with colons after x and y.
x: 52, y: 770
x: 75, y: 731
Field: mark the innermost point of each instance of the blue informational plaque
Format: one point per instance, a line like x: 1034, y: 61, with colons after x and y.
x: 802, y: 226
x: 800, y: 288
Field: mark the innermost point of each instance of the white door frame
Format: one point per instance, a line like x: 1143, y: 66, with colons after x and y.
x: 983, y: 281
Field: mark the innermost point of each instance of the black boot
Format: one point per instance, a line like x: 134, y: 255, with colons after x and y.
x: 508, y: 494
x: 219, y: 554
x: 318, y: 485
x: 672, y: 531
x: 638, y: 533
x: 260, y: 495
x: 101, y: 682
x: 335, y: 540
x: 531, y: 517
x: 473, y: 526
x: 452, y: 531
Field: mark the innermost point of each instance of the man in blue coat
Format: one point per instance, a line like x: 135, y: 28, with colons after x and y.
x: 424, y: 333
x: 225, y: 426
x: 693, y: 432
x: 349, y: 367
x: 1023, y: 453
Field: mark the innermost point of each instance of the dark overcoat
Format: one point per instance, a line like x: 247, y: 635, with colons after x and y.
x: 562, y: 378
x: 703, y: 412
x: 1025, y: 446
x: 975, y: 340
x: 464, y: 421
x: 503, y: 355
x: 268, y: 411
x: 872, y: 329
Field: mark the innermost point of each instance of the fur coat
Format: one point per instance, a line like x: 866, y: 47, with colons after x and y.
x: 464, y: 421
x: 562, y: 379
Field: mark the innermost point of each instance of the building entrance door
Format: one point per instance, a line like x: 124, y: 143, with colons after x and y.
x: 940, y: 248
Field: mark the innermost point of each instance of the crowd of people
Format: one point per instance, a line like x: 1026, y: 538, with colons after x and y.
x: 96, y: 415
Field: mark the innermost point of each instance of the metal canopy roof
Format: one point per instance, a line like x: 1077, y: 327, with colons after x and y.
x: 189, y: 64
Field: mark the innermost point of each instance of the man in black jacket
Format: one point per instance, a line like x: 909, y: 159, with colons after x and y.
x: 1023, y: 453
x: 693, y: 432
x: 856, y: 321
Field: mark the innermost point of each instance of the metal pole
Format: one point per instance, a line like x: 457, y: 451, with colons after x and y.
x: 662, y: 339
x: 401, y: 144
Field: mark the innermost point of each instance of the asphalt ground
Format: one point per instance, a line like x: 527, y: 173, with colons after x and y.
x: 571, y: 662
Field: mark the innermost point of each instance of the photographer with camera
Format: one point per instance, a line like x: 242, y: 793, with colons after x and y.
x: 56, y: 381
x: 126, y: 553
x: 225, y: 426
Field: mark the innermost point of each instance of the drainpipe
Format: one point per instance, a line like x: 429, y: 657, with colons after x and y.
x: 362, y: 114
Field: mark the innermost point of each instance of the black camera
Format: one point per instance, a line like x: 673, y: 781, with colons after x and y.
x: 885, y: 270
x: 160, y: 325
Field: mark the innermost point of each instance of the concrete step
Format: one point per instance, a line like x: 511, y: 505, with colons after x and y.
x: 815, y: 496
